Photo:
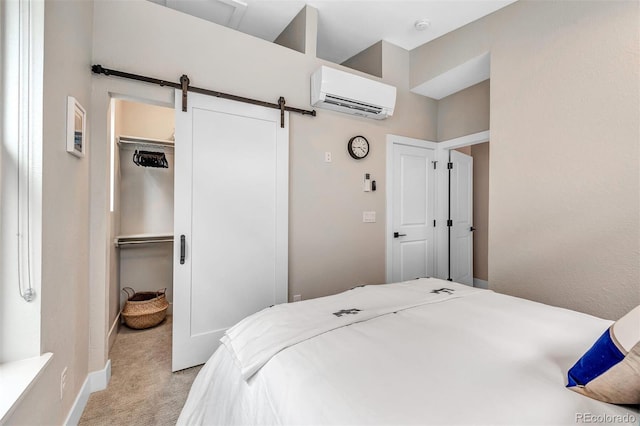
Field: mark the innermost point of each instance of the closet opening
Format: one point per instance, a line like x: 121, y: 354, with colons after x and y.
x: 468, y: 214
x: 141, y: 206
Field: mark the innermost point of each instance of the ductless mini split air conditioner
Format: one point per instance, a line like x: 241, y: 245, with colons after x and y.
x: 345, y: 92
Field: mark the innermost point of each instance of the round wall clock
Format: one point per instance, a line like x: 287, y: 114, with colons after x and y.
x: 358, y: 147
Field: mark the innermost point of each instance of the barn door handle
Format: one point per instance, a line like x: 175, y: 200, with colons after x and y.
x: 396, y: 235
x: 183, y: 244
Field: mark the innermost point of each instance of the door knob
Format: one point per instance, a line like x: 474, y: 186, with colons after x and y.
x: 396, y: 235
x: 472, y: 229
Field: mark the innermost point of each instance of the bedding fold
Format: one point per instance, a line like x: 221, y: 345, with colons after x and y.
x: 256, y: 339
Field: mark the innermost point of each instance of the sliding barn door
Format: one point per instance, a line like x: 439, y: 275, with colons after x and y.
x: 231, y: 220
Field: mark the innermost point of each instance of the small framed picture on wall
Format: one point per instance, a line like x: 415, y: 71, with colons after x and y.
x: 76, y: 127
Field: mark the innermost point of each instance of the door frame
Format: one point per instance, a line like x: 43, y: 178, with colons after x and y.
x: 442, y: 194
x: 441, y: 197
x: 102, y: 252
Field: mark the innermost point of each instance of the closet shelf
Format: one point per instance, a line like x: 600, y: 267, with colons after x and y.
x: 131, y: 140
x: 125, y: 240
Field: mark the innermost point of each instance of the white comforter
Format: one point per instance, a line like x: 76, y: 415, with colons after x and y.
x: 475, y: 357
x: 256, y: 339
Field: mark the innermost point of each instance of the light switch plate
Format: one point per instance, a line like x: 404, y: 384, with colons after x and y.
x: 368, y: 217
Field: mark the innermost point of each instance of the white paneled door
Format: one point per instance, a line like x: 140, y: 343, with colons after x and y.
x: 461, y: 215
x: 413, y: 189
x: 231, y: 220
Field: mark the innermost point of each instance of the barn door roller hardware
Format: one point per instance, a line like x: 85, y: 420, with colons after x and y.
x: 185, y: 87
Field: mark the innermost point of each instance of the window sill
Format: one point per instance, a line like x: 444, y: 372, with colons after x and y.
x: 16, y: 378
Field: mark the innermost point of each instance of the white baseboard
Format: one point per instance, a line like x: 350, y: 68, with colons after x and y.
x: 100, y: 379
x: 78, y: 405
x: 480, y: 283
x: 95, y: 381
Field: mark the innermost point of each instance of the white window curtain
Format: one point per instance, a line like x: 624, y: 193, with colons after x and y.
x: 22, y: 39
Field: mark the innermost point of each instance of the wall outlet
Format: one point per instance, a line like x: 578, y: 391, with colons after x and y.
x: 327, y: 157
x: 63, y: 382
x: 297, y: 297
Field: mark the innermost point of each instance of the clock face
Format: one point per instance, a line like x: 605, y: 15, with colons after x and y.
x: 358, y: 147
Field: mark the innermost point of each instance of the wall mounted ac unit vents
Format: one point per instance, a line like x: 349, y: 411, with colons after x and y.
x: 344, y: 92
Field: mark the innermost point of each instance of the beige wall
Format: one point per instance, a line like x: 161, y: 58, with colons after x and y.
x: 464, y: 113
x: 564, y: 227
x: 330, y: 249
x: 465, y: 150
x: 294, y: 35
x: 65, y: 224
x: 369, y: 60
x: 145, y: 120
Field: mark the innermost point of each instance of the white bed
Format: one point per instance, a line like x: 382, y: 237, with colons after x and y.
x: 413, y: 354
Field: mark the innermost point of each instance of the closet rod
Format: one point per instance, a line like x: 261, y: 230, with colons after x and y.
x: 184, y: 86
x: 130, y: 140
x: 126, y: 243
x: 123, y: 241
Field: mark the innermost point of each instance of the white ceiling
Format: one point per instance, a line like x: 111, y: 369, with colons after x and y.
x: 345, y: 28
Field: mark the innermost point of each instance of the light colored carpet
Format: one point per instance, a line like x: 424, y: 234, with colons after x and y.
x: 142, y: 390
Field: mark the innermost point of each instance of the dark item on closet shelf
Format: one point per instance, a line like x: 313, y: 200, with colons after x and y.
x: 150, y: 159
x: 144, y: 309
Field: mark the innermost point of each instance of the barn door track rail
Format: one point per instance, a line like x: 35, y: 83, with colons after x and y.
x: 184, y: 86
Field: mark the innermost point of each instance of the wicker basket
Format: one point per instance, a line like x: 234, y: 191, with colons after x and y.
x: 144, y: 309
